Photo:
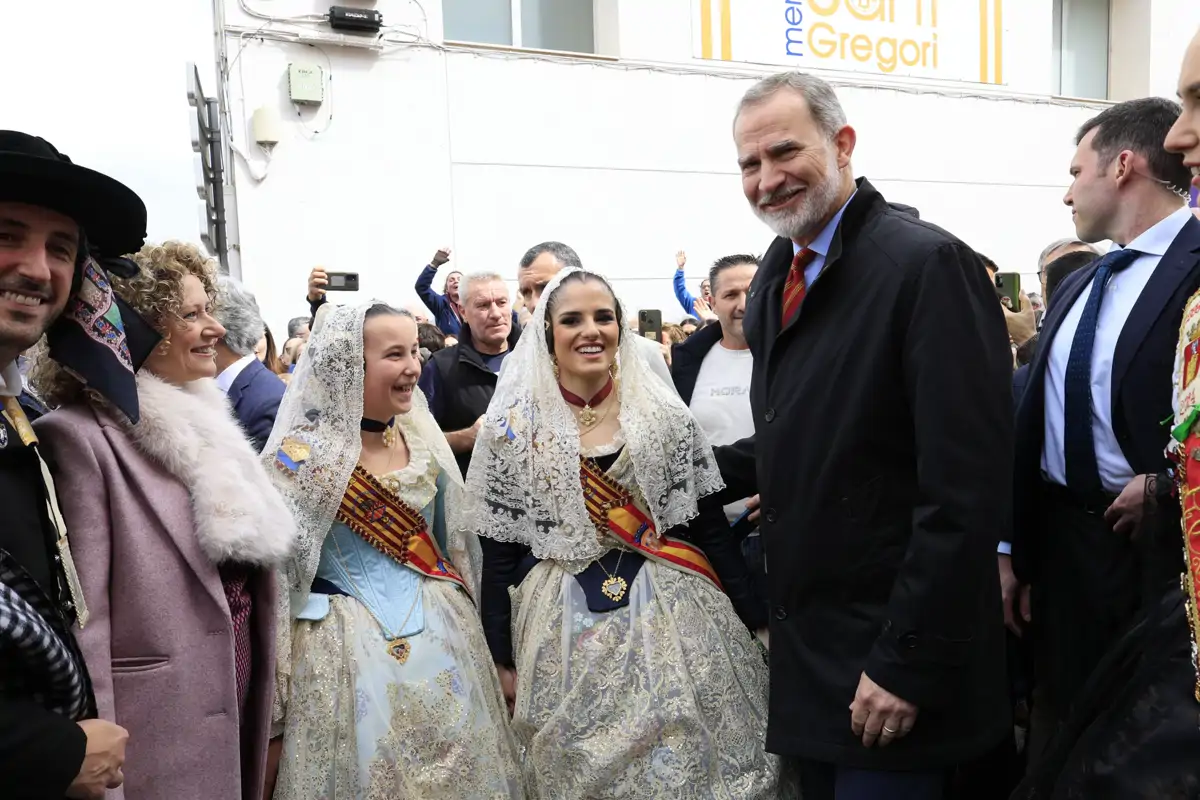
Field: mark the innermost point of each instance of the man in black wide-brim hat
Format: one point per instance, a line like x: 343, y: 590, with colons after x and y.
x: 62, y: 228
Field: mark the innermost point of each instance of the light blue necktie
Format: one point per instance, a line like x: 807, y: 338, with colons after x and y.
x: 1079, y: 443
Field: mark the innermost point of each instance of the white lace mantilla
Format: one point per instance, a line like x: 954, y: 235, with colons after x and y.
x: 523, y: 485
x: 314, y: 448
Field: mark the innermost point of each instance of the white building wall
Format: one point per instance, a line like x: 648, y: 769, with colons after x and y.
x: 628, y: 162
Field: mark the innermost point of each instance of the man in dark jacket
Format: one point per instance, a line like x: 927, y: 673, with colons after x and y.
x: 254, y: 391
x: 459, y: 381
x: 57, y: 219
x: 883, y: 453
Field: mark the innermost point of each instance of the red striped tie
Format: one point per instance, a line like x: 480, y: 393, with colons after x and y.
x: 794, y: 289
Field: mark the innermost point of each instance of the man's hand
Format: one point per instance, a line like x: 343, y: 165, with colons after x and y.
x: 1022, y: 325
x: 102, y: 760
x: 680, y: 259
x: 1124, y: 516
x: 752, y: 505
x: 1014, y: 596
x: 508, y: 685
x: 464, y: 441
x: 318, y: 279
x: 877, y: 715
x: 440, y: 257
x: 703, y: 309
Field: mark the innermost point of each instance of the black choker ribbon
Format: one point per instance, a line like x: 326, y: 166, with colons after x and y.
x: 372, y: 425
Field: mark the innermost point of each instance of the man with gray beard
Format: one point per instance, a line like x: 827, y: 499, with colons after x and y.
x: 883, y: 419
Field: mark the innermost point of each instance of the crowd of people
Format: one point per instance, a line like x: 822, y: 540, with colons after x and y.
x: 858, y: 529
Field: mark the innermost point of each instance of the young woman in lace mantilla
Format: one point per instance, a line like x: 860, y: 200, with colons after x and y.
x: 385, y: 686
x: 629, y: 671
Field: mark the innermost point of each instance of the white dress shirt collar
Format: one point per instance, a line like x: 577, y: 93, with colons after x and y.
x: 230, y: 373
x: 1157, y: 239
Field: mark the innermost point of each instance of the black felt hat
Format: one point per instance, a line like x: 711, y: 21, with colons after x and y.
x: 32, y: 171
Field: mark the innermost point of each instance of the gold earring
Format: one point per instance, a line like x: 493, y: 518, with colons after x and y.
x: 165, y: 347
x: 554, y: 366
x: 614, y: 371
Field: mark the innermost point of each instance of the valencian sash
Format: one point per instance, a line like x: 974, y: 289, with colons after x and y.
x: 1186, y: 454
x: 613, y: 511
x: 394, y: 528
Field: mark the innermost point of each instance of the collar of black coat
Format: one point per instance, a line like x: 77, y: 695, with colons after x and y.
x: 866, y: 204
x: 699, y: 343
x: 467, y: 351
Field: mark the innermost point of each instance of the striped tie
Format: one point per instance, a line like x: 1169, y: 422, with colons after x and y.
x: 794, y: 289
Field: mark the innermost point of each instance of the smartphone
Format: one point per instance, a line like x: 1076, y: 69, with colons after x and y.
x: 342, y: 282
x: 1008, y: 284
x: 650, y: 324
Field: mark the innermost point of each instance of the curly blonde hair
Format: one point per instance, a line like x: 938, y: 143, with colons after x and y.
x: 156, y: 293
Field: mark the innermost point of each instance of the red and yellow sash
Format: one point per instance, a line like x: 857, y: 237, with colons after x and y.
x: 613, y: 511
x: 392, y: 527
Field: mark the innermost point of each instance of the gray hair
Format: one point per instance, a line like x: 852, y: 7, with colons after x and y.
x: 565, y: 255
x: 238, y: 313
x: 822, y: 101
x: 295, y: 324
x: 1070, y: 241
x: 470, y: 281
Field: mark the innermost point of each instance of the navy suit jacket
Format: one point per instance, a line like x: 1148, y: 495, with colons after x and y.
x: 255, y: 396
x: 1142, y: 384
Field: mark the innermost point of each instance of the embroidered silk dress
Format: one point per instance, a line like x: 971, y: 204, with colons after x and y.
x: 662, y: 699
x: 393, y: 693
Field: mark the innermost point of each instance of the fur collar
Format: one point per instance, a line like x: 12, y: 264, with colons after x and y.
x: 192, y: 433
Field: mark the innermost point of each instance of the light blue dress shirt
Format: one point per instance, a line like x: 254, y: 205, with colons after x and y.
x: 820, y: 245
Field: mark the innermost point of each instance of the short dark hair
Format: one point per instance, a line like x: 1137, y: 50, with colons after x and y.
x: 430, y: 337
x: 725, y: 262
x: 580, y: 276
x: 294, y: 325
x: 565, y: 254
x: 689, y: 321
x: 1058, y: 269
x: 1141, y: 126
x: 987, y: 262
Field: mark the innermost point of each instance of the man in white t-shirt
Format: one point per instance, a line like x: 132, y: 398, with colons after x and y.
x: 712, y: 370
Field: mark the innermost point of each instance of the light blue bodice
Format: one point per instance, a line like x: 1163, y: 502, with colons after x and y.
x: 389, y: 590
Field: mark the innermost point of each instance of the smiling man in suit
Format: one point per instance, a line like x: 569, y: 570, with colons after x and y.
x: 254, y: 391
x: 882, y: 406
x: 1090, y: 425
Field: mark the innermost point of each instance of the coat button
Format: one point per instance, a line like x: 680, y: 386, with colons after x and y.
x: 780, y: 613
x: 909, y: 640
x: 769, y: 416
x: 771, y: 515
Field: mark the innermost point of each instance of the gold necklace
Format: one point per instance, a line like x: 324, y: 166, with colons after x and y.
x: 615, y: 587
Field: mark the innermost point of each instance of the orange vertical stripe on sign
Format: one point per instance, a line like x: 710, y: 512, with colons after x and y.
x: 999, y: 24
x: 706, y: 28
x: 983, y: 41
x: 726, y: 31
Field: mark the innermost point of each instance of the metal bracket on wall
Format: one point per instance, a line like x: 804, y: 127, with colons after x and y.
x: 210, y: 168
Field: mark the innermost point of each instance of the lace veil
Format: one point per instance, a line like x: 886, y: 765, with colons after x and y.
x: 523, y: 484
x: 315, y: 447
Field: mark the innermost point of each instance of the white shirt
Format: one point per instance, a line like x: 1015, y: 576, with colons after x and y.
x: 721, y: 402
x: 11, y: 383
x: 230, y: 373
x: 1122, y: 292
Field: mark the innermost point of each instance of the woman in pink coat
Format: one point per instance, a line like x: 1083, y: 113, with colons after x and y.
x: 176, y: 533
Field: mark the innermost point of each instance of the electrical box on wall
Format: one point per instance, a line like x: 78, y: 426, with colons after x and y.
x: 306, y: 84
